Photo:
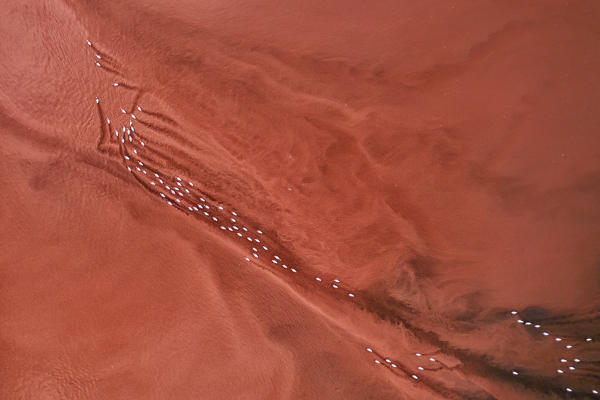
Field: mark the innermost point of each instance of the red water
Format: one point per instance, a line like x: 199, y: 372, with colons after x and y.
x: 436, y: 165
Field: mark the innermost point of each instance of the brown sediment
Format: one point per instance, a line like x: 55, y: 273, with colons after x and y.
x: 304, y: 181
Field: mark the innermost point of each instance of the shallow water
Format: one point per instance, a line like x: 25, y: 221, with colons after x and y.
x: 299, y: 200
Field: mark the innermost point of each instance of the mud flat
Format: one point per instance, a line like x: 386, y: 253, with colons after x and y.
x: 297, y: 200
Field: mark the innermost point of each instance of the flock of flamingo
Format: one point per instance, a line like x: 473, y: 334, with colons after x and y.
x: 127, y: 140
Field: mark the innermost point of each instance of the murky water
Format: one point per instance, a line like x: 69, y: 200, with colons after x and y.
x: 299, y: 200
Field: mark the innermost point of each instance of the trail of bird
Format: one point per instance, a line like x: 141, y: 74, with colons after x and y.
x: 150, y: 164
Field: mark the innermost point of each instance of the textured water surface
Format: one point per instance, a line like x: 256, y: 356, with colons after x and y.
x: 299, y: 200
